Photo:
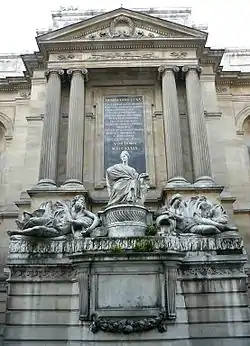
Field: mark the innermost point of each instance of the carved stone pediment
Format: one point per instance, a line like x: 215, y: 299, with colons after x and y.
x: 122, y: 24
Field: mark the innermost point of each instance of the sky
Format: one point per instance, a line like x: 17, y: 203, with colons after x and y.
x: 228, y: 20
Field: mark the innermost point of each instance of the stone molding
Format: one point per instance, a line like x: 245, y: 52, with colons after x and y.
x: 208, y: 271
x: 24, y: 244
x: 8, y: 126
x: 243, y: 114
x: 44, y: 273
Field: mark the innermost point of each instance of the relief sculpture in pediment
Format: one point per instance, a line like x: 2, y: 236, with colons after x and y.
x: 123, y: 27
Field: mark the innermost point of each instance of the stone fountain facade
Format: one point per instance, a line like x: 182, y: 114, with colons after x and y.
x: 127, y: 274
x: 123, y: 147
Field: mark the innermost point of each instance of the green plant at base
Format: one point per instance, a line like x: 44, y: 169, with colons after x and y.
x: 117, y: 249
x: 144, y: 246
x: 151, y: 230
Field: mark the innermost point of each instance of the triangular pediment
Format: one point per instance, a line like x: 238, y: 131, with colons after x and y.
x: 122, y: 24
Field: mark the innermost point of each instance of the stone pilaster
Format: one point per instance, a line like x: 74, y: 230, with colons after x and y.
x: 197, y: 125
x: 49, y: 150
x: 171, y: 120
x: 76, y: 127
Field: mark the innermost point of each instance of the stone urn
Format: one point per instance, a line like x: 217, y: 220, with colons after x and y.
x: 125, y: 220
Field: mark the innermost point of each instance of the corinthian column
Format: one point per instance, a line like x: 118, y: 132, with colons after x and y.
x: 74, y: 163
x: 197, y: 125
x: 171, y: 120
x: 49, y: 150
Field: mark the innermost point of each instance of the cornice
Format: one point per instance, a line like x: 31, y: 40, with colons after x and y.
x: 233, y: 78
x: 33, y: 62
x: 134, y: 15
x: 14, y: 83
x: 212, y: 57
x: 86, y: 45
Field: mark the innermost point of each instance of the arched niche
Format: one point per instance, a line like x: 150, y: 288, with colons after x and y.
x: 246, y: 131
x: 241, y: 119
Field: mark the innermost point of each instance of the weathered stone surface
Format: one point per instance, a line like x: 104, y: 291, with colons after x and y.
x: 195, y: 215
x: 170, y: 243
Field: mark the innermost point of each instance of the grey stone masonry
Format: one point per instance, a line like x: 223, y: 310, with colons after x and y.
x: 74, y: 162
x: 49, y: 150
x: 172, y: 130
x: 198, y: 134
x: 97, y: 291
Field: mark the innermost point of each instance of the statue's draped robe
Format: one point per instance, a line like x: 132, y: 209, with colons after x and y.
x: 122, y: 181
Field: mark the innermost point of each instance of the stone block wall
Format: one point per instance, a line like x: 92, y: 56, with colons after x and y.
x: 44, y: 303
x: 46, y: 312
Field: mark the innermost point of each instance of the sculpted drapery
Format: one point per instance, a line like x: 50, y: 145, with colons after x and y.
x: 124, y: 184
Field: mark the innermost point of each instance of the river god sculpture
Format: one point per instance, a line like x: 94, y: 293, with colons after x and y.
x: 58, y: 219
x: 194, y: 215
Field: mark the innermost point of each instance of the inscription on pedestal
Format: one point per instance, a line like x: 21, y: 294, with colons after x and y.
x: 124, y: 130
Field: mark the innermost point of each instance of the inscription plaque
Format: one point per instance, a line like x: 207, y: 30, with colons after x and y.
x: 124, y: 130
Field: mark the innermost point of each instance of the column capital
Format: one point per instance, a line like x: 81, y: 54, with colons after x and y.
x: 48, y: 72
x: 82, y: 71
x: 187, y: 68
x: 167, y: 68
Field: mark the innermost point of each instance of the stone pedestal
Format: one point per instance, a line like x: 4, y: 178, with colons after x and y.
x: 125, y: 220
x: 128, y: 290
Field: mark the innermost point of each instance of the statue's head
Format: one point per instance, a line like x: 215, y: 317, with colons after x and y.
x: 79, y: 202
x: 205, y: 208
x: 176, y: 200
x: 124, y: 156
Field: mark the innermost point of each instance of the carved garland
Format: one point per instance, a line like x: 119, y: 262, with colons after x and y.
x: 128, y: 326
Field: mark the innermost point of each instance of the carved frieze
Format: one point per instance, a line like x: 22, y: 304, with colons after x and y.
x: 201, y: 272
x: 42, y: 273
x: 178, y: 55
x: 181, y: 243
x: 65, y: 57
x: 122, y: 56
x: 220, y: 89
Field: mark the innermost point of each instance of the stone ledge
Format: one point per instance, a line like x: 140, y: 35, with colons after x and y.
x: 189, y: 243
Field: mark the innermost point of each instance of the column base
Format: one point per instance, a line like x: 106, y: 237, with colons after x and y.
x: 177, y: 181
x: 72, y: 184
x: 46, y: 183
x: 204, y: 181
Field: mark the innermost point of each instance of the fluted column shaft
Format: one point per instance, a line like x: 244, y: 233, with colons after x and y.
x: 49, y: 150
x: 171, y: 119
x: 75, y: 148
x: 197, y: 125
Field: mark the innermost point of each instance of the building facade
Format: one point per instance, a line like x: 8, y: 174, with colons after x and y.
x: 130, y: 80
